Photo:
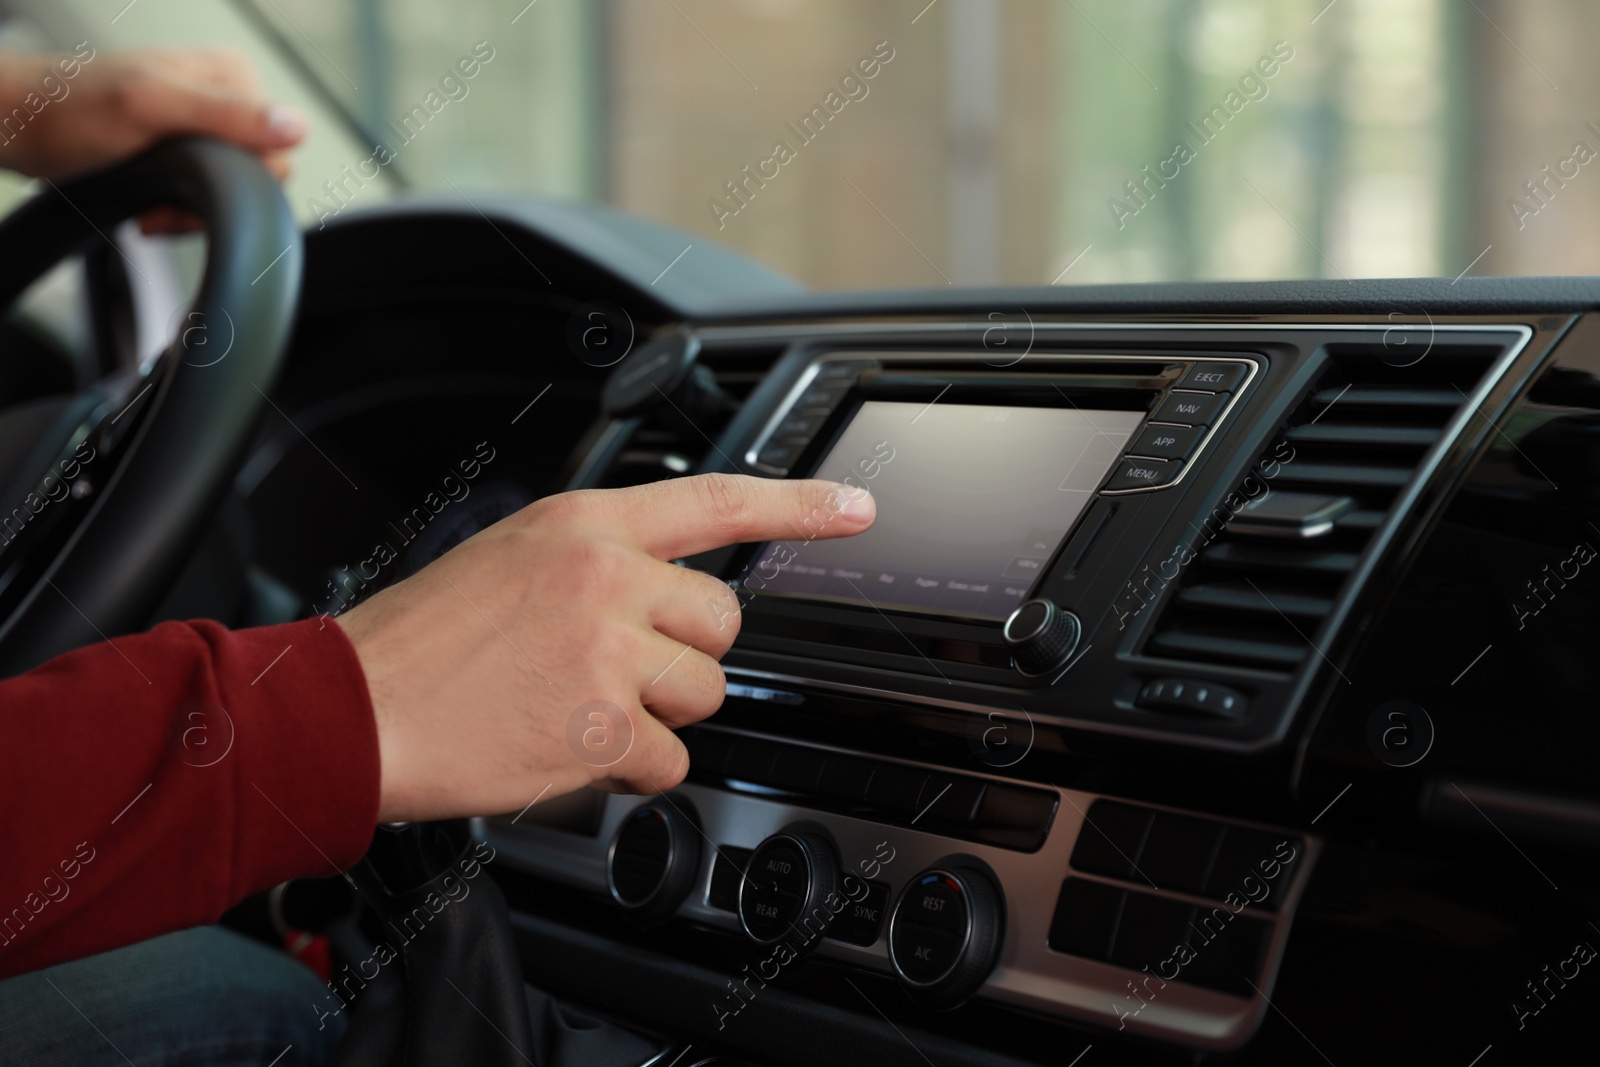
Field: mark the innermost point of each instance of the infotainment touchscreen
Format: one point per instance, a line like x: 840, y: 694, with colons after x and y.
x: 973, y: 500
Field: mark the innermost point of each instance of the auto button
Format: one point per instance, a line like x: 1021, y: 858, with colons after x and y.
x: 786, y: 887
x: 779, y: 868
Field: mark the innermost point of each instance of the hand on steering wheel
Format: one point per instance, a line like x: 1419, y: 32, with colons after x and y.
x: 166, y: 445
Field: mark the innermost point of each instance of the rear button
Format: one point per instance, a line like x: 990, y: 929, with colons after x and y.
x: 1144, y: 473
x: 768, y: 914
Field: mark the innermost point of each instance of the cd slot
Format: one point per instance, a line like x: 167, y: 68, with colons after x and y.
x: 1122, y: 393
x: 923, y: 646
x: 1154, y: 373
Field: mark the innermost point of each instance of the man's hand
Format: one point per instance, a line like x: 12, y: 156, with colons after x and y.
x: 113, y: 105
x: 561, y: 639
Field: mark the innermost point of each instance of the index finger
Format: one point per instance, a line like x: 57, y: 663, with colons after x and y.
x: 684, y: 516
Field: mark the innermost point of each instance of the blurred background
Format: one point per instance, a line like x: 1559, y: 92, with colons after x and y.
x: 1393, y: 138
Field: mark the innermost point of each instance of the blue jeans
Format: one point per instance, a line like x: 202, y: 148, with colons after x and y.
x: 199, y: 998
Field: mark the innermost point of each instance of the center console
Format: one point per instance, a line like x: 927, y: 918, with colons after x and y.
x: 958, y: 748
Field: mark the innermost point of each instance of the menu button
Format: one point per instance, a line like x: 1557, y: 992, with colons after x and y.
x: 1144, y: 473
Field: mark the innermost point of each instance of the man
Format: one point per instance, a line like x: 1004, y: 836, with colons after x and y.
x: 449, y: 694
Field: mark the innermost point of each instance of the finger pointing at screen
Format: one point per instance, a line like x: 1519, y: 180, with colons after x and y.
x: 565, y: 621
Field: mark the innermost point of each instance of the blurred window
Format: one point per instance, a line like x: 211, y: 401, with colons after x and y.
x: 903, y: 143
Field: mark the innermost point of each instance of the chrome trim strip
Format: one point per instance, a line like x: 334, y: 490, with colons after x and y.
x: 768, y: 428
x: 800, y: 332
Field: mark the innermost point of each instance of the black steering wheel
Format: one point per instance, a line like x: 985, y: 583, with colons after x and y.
x: 109, y: 491
x: 106, y: 492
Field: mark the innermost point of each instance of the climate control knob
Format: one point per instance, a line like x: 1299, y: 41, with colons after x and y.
x: 945, y: 932
x: 654, y: 859
x: 1041, y: 637
x: 786, y: 888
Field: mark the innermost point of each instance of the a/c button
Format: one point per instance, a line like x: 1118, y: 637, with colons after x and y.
x: 925, y: 955
x: 1144, y: 473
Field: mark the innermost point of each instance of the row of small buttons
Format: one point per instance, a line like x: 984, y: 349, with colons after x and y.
x: 1178, y: 426
x: 1198, y: 698
x: 859, y: 923
x: 811, y: 409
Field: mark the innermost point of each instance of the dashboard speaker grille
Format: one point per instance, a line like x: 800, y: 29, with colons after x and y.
x: 1258, y: 596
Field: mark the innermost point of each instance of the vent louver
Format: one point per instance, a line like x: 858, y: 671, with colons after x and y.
x: 1257, y: 593
x: 667, y: 442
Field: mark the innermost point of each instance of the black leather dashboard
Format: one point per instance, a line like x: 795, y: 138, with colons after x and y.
x: 1408, y: 759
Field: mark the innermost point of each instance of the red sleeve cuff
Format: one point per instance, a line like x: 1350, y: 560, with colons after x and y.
x: 149, y: 783
x: 307, y: 779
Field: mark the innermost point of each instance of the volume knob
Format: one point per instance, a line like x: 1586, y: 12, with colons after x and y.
x: 1041, y: 637
x: 946, y: 932
x: 787, y: 884
x: 654, y: 859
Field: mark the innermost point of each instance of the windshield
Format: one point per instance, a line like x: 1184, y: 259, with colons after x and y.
x: 908, y: 143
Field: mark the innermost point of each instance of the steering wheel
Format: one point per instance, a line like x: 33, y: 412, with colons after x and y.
x: 106, y: 492
x: 110, y: 489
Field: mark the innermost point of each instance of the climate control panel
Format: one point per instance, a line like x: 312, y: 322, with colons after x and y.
x: 1058, y: 901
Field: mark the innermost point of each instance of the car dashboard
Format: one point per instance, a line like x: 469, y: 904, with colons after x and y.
x: 1218, y: 672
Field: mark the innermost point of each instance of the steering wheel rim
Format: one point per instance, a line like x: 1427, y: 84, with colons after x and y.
x: 166, y: 446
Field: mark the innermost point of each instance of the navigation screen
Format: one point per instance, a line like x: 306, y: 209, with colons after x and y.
x: 973, y: 500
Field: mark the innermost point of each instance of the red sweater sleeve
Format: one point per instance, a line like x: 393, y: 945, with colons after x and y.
x: 150, y: 782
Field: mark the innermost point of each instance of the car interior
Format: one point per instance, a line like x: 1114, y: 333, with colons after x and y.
x: 1211, y: 688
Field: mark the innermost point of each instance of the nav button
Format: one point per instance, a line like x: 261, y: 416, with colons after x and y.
x: 1144, y: 473
x: 1190, y: 409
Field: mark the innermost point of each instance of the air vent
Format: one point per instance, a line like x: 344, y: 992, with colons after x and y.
x: 669, y: 442
x: 1266, y: 576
